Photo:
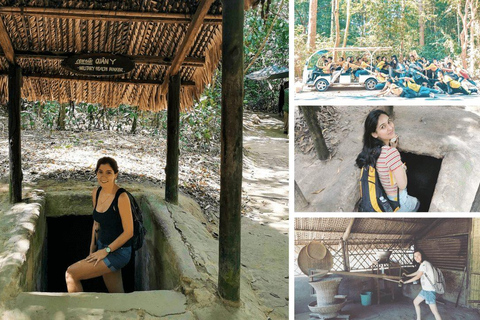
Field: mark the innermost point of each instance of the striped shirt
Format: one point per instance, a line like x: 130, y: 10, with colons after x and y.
x: 387, y: 162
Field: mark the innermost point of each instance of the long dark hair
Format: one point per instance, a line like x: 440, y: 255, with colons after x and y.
x: 371, y: 146
x: 424, y: 257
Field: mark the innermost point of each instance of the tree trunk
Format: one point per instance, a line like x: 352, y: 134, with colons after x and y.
x: 61, y: 116
x: 135, y: 121
x: 473, y: 33
x: 476, y: 202
x: 300, y: 201
x: 310, y: 116
x: 421, y: 23
x: 402, y: 30
x: 312, y: 25
x: 337, y: 29
x: 347, y: 26
x: 332, y: 18
x: 464, y: 33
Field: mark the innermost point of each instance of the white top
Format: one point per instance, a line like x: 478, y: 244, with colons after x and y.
x: 427, y: 269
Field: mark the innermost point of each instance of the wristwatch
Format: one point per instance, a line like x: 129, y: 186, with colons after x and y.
x: 108, y: 249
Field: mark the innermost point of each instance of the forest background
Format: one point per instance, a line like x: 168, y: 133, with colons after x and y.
x: 433, y: 28
x: 266, y: 44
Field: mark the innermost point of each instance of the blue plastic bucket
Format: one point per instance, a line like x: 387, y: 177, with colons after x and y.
x: 366, y: 298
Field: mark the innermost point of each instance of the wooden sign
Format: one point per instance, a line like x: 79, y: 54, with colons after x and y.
x: 98, y: 64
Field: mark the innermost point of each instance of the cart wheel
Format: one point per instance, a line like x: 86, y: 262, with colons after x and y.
x: 321, y: 85
x: 370, y: 84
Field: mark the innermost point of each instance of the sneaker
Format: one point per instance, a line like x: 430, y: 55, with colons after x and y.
x: 432, y: 95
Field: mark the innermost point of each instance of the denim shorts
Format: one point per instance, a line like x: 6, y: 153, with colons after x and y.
x: 429, y: 296
x: 407, y: 203
x: 117, y: 259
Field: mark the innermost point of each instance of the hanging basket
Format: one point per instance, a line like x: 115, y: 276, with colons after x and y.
x: 316, y: 250
x: 306, y: 263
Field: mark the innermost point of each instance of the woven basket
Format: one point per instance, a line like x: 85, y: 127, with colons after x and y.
x: 306, y: 263
x: 326, y: 289
x: 328, y: 311
x: 316, y: 250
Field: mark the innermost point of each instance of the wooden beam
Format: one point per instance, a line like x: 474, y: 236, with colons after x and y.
x: 189, y: 39
x: 14, y: 132
x: 173, y: 125
x: 164, y: 61
x: 231, y: 153
x: 102, y: 80
x: 346, y: 235
x: 106, y: 15
x: 346, y: 259
x: 358, y: 274
x: 6, y: 43
x: 357, y: 234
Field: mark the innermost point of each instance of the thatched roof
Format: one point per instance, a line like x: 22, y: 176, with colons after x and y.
x: 333, y: 229
x: 151, y: 33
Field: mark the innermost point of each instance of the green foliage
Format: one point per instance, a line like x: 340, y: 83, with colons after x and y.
x: 200, y: 127
x: 263, y: 94
x: 394, y: 23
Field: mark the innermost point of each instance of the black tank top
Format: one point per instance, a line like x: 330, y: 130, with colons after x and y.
x: 110, y: 221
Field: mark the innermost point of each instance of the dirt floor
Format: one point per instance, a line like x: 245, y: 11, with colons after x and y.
x: 448, y: 133
x: 401, y: 310
x: 71, y: 156
x: 358, y: 95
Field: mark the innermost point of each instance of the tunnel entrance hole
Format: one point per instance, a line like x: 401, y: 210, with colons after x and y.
x: 422, y: 174
x: 67, y: 240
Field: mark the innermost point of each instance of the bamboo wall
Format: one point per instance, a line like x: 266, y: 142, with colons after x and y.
x: 474, y: 265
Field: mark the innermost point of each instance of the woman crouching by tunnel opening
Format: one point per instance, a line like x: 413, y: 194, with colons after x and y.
x: 380, y: 152
x: 426, y: 275
x: 111, y: 247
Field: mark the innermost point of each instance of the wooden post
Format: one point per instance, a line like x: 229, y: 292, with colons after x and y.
x: 231, y: 152
x: 173, y: 123
x: 14, y: 131
x: 310, y: 116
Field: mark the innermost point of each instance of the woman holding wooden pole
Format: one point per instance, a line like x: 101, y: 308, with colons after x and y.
x: 424, y: 273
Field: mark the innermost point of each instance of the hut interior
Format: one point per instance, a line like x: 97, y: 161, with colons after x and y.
x: 370, y: 255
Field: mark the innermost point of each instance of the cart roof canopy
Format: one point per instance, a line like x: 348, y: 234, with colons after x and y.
x: 355, y: 49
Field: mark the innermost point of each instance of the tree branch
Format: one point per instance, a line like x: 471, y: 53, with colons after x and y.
x: 264, y: 40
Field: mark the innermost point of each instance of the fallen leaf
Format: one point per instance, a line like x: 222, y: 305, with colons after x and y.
x: 317, y: 192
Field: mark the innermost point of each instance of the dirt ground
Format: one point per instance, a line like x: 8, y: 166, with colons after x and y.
x: 401, y: 310
x: 332, y: 185
x: 355, y: 95
x: 71, y: 156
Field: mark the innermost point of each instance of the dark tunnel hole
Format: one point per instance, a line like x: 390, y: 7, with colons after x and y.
x: 422, y: 174
x: 68, y: 241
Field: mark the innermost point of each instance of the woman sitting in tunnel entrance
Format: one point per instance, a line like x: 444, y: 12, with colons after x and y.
x: 380, y: 151
x: 111, y: 247
x: 426, y: 275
